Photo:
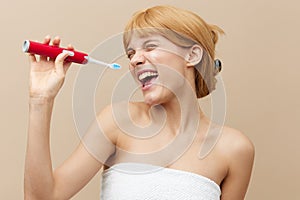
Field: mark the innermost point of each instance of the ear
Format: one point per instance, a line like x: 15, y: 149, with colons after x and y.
x: 194, y: 55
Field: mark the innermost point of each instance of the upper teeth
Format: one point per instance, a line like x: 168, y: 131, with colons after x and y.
x: 146, y: 74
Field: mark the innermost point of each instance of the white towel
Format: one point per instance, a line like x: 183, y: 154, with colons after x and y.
x: 134, y: 181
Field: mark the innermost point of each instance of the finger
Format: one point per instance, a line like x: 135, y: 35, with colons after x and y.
x: 70, y: 47
x: 32, y: 58
x: 47, y: 40
x: 56, y: 41
x: 67, y: 66
x: 59, y: 63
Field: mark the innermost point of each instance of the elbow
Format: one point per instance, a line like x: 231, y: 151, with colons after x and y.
x: 30, y: 194
x: 30, y: 197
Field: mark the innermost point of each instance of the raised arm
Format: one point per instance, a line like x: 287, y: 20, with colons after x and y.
x: 40, y: 180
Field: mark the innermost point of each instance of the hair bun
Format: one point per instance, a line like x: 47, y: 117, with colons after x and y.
x: 218, y: 65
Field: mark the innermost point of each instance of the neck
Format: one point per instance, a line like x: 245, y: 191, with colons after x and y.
x: 183, y: 112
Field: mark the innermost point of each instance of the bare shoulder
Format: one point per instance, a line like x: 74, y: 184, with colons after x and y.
x: 106, y: 117
x: 238, y: 150
x: 236, y: 144
x: 107, y: 123
x: 113, y: 116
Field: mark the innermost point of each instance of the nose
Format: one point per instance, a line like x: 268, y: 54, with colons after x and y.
x: 138, y: 58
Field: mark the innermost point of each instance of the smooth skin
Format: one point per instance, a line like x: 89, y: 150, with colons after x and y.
x: 229, y: 164
x: 41, y: 182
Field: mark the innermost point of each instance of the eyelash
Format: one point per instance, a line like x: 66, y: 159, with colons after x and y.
x: 129, y: 55
x: 150, y: 46
x: 147, y: 47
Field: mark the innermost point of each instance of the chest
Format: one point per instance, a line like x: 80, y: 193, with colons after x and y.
x: 181, y: 152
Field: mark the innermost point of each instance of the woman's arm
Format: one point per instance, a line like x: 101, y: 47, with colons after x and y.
x: 46, y: 79
x: 240, y: 153
x: 40, y: 180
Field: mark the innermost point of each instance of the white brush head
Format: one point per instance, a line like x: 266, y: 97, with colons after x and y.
x: 112, y: 66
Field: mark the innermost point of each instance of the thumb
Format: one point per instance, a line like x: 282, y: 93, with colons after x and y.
x: 59, y: 62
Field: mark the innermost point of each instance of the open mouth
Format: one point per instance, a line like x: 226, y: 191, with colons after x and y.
x: 147, y: 78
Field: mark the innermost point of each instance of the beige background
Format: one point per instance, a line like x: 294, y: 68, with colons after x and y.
x: 261, y: 75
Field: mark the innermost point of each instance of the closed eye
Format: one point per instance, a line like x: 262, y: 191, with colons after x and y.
x: 150, y: 46
x: 130, y: 54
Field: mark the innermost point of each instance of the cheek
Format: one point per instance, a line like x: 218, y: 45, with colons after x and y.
x: 162, y: 57
x: 171, y: 78
x: 131, y: 68
x: 155, y: 57
x: 174, y: 75
x: 170, y: 66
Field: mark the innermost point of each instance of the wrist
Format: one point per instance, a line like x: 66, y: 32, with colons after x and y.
x: 40, y: 100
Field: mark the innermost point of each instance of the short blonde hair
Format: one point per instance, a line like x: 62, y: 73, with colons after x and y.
x: 183, y: 28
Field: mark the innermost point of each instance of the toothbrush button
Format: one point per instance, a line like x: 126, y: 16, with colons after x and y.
x: 71, y: 53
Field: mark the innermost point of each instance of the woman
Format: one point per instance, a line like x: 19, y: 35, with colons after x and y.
x: 151, y: 151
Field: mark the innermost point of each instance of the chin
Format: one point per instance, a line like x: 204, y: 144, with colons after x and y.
x: 151, y: 100
x: 156, y: 97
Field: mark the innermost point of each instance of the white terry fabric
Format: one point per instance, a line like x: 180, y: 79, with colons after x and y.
x: 135, y: 181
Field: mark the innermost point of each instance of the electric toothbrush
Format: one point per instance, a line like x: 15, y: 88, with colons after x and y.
x: 53, y: 51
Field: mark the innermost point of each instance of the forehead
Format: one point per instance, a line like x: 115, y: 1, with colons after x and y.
x: 138, y: 40
x: 164, y: 36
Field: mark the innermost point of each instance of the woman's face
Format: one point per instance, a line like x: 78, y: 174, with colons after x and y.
x: 158, y: 65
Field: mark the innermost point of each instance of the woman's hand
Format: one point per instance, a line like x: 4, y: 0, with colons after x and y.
x: 47, y: 75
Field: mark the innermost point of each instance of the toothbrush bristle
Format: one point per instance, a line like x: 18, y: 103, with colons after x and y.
x: 116, y: 66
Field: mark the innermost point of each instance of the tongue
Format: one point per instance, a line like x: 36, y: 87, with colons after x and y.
x: 149, y: 81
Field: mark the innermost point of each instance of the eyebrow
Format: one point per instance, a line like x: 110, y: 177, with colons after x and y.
x: 129, y: 49
x: 145, y: 42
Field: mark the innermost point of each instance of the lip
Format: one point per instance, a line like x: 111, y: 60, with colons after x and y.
x: 148, y: 85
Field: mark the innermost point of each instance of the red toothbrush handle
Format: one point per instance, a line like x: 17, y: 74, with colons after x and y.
x: 53, y: 51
